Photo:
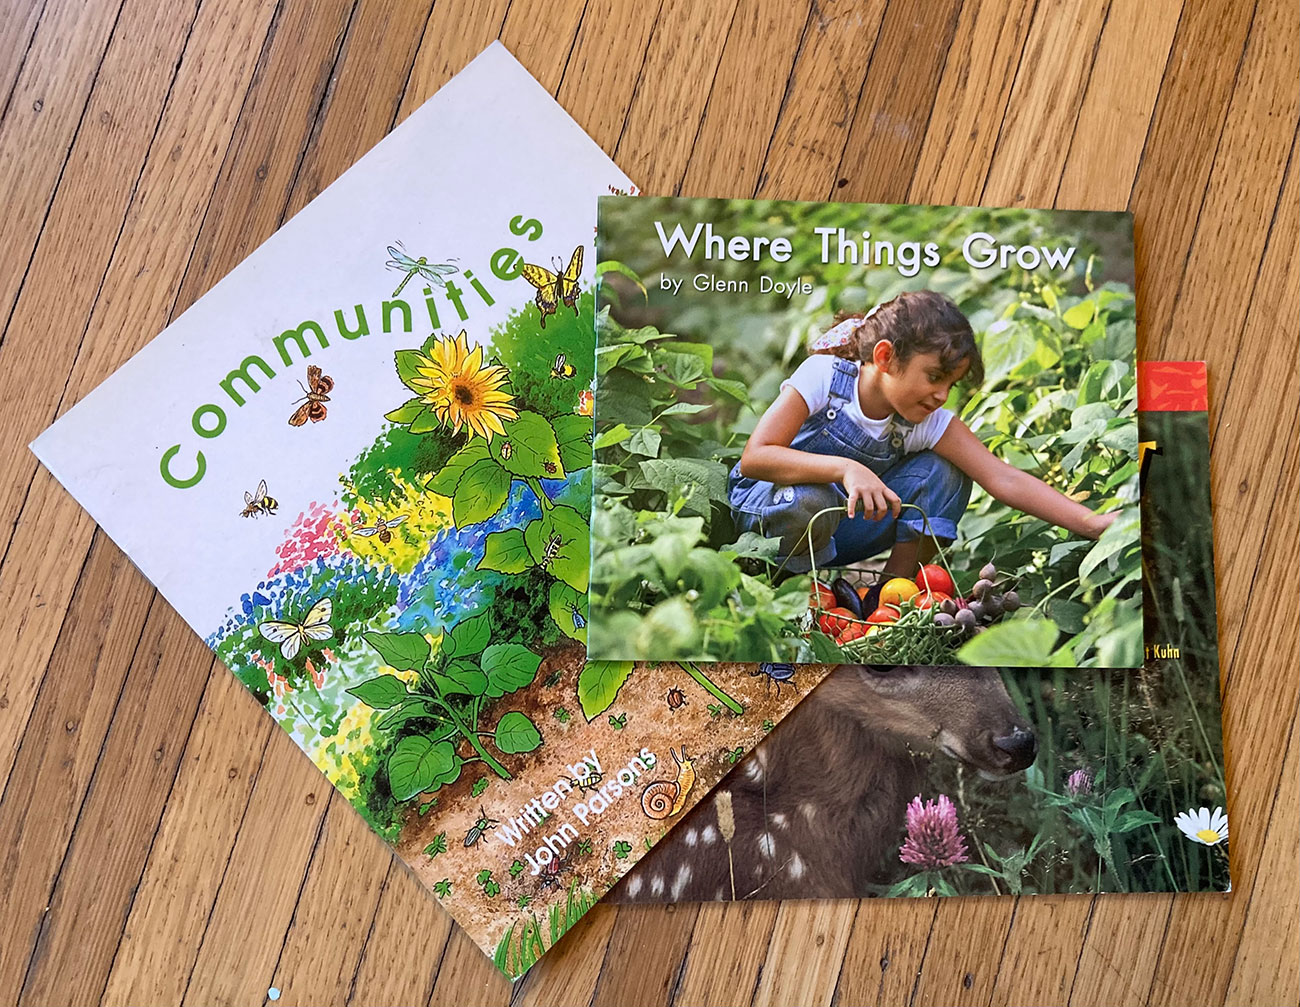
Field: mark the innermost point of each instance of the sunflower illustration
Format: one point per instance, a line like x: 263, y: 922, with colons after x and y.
x: 462, y: 389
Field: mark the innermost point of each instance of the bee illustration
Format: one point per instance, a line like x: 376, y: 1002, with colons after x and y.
x: 590, y: 781
x: 258, y: 502
x: 561, y: 368
x: 676, y: 698
x: 551, y: 550
x: 506, y: 451
x: 549, y: 467
x: 382, y: 527
x: 579, y: 621
x: 293, y: 636
x: 481, y: 826
x: 554, y: 287
x: 313, y: 408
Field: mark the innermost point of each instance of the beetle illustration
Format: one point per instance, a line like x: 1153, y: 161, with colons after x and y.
x: 780, y: 673
x: 676, y: 698
x: 480, y: 827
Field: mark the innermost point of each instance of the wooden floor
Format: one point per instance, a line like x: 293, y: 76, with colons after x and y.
x: 163, y: 843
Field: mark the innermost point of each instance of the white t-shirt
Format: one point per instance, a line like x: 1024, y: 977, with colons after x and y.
x: 812, y: 380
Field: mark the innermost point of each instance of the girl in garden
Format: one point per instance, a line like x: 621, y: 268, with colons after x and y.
x: 860, y: 425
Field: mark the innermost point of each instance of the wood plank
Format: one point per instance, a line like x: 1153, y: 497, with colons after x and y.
x: 44, y: 113
x: 1050, y: 85
x: 1242, y: 192
x: 645, y: 953
x: 246, y: 925
x: 882, y: 960
x: 466, y: 978
x: 61, y: 748
x: 80, y: 930
x: 137, y: 295
x: 1267, y: 967
x: 75, y: 247
x: 893, y: 113
x: 386, y: 974
x: 971, y: 101
x: 1175, y: 167
x: 1126, y: 78
x: 334, y: 911
x: 742, y: 109
x: 190, y: 853
x: 816, y: 935
x: 961, y: 962
x: 18, y: 23
x: 569, y: 972
x: 726, y: 954
x: 1120, y: 951
x: 454, y: 34
x: 1038, y: 962
x: 664, y: 116
x: 806, y: 152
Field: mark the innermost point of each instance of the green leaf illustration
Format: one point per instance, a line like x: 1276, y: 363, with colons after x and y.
x: 439, y: 845
x: 418, y: 764
x: 408, y: 363
x: 621, y: 849
x: 515, y: 733
x: 462, y: 678
x: 403, y: 651
x: 505, y: 551
x: 598, y: 685
x: 442, y: 888
x: 480, y: 785
x: 573, y: 433
x: 445, y: 481
x: 407, y: 411
x: 560, y: 542
x: 509, y: 666
x: 469, y: 636
x: 481, y: 492
x: 381, y: 693
x: 569, y: 610
x: 535, y: 452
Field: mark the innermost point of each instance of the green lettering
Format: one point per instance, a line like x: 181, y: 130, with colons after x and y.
x: 530, y: 228
x: 164, y: 466
x: 388, y: 315
x: 241, y: 374
x: 196, y: 421
x: 297, y: 336
x: 362, y: 328
x: 506, y: 263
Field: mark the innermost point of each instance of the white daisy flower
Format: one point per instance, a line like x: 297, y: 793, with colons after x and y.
x: 1202, y: 826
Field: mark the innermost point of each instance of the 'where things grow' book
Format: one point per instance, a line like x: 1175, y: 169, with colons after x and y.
x: 854, y: 432
x: 359, y: 467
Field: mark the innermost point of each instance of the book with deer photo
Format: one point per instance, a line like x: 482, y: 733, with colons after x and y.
x: 907, y: 781
x: 360, y: 468
x: 865, y: 433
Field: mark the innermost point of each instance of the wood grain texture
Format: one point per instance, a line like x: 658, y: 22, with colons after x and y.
x: 164, y: 843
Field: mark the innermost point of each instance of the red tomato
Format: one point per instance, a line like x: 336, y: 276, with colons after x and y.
x: 821, y: 597
x: 930, y: 599
x: 884, y: 614
x: 832, y: 623
x: 936, y: 579
x: 853, y: 631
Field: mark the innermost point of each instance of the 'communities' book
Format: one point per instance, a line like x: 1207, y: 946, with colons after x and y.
x: 360, y: 468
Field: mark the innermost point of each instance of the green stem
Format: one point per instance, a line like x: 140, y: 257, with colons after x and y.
x: 535, y: 485
x: 712, y: 689
x: 472, y: 738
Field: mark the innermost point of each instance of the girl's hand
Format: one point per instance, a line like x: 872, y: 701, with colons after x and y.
x: 877, y: 499
x: 1098, y: 523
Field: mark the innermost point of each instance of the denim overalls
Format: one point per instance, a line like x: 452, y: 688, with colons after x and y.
x: 781, y: 511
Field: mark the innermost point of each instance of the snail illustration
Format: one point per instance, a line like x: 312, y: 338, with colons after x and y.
x: 664, y: 798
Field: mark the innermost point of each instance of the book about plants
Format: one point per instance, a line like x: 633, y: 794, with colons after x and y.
x: 906, y: 781
x: 865, y: 433
x: 360, y: 468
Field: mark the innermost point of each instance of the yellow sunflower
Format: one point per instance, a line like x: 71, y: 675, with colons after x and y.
x: 464, y: 390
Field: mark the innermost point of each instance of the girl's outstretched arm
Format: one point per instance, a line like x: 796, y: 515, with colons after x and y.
x: 768, y: 455
x: 1016, y: 488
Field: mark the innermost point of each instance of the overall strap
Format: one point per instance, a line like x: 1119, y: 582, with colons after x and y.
x: 844, y: 386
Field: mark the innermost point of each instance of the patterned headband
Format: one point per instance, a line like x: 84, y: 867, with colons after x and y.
x: 840, y: 333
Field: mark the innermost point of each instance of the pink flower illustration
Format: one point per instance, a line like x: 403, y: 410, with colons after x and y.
x: 933, y: 839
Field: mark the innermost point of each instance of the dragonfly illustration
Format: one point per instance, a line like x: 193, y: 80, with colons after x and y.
x: 403, y: 263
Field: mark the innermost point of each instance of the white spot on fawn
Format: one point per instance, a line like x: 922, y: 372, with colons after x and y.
x: 679, y: 882
x: 722, y: 894
x: 780, y: 821
x: 808, y: 810
x: 690, y: 837
x: 657, y: 886
x: 767, y: 845
x: 795, y: 867
x: 634, y: 885
x: 754, y: 770
x: 709, y: 835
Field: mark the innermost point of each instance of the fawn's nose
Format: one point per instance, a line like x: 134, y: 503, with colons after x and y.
x: 1020, y: 745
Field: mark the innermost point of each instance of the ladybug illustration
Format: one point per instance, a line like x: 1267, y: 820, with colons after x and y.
x: 676, y: 698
